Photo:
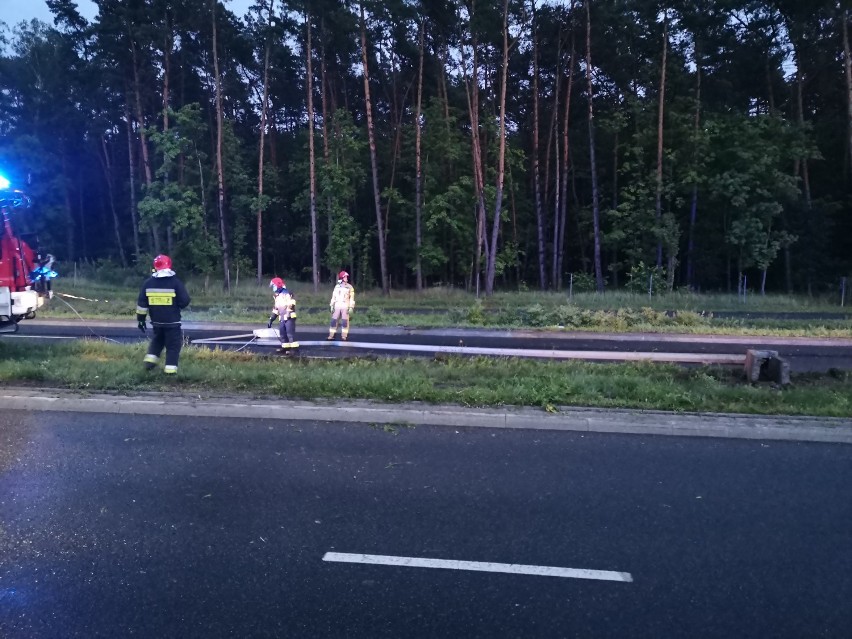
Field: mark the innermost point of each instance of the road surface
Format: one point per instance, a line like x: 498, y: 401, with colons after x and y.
x: 178, y: 527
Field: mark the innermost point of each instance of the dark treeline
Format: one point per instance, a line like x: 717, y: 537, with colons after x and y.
x: 464, y: 142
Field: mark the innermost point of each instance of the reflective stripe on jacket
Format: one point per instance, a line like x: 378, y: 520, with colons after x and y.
x: 162, y: 298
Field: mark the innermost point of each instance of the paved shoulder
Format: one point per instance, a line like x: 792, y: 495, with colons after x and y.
x: 734, y: 426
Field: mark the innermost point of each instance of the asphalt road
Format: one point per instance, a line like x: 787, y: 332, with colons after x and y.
x: 802, y: 357
x: 159, y: 527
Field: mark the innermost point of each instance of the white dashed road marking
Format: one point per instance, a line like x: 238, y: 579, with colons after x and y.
x: 479, y: 566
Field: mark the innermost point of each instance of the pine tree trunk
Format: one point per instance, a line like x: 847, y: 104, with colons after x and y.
x: 418, y: 176
x: 555, y: 274
x: 566, y: 121
x: 847, y: 69
x: 167, y: 49
x: 539, y: 214
x: 658, y: 204
x: 552, y: 136
x: 800, y: 118
x: 472, y: 95
x: 373, y: 162
x: 446, y: 97
x: 106, y: 165
x: 501, y: 158
x: 395, y: 156
x: 220, y: 169
x: 143, y: 142
x: 596, y: 209
x: 770, y: 93
x: 324, y: 89
x: 261, y: 152
x: 312, y: 161
x: 514, y: 209
x: 693, y: 207
x: 397, y: 113
x: 132, y: 174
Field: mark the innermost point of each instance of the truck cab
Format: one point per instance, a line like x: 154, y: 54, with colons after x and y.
x: 19, y: 298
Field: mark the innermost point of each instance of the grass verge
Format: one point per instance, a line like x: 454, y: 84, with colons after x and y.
x: 100, y: 366
x: 679, y: 312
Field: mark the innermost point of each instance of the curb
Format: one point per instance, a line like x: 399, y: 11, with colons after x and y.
x: 635, y: 422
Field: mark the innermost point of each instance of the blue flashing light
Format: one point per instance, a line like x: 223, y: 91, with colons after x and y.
x: 43, y: 273
x: 4, y: 183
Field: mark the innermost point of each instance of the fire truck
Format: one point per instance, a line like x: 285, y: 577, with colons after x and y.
x: 24, y: 275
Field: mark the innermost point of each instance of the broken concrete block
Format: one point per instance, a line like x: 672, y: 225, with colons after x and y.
x: 778, y: 370
x: 755, y: 362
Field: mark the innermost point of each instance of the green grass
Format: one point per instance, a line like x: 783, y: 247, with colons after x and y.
x: 444, y: 307
x: 207, y: 292
x: 100, y: 366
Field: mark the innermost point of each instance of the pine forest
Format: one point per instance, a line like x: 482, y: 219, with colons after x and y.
x: 484, y: 145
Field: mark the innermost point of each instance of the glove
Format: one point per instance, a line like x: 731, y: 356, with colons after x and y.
x: 351, y: 310
x: 142, y: 327
x: 271, y: 319
x: 331, y: 308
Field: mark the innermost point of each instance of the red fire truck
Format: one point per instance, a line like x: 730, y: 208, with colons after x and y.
x: 24, y: 280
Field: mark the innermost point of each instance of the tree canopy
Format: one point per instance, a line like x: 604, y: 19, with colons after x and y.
x: 504, y: 144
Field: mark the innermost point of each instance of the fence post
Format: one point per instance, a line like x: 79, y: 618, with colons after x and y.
x: 650, y: 285
x: 842, y: 291
x: 570, y: 287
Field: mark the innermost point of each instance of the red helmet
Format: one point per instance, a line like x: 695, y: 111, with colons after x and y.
x: 342, y: 274
x: 162, y: 262
x: 275, y: 283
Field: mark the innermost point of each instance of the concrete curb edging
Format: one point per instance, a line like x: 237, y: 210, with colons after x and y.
x: 734, y: 426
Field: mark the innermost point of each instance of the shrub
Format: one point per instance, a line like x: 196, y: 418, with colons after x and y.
x: 476, y: 314
x: 690, y: 318
x: 457, y: 315
x: 650, y: 316
x: 373, y: 315
x: 535, y: 315
x: 568, y: 315
x: 584, y: 282
x: 641, y: 275
x: 509, y: 317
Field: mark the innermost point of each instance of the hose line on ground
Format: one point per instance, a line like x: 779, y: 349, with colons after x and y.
x: 61, y: 295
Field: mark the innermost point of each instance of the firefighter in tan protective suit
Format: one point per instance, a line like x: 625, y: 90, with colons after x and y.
x: 284, y: 308
x: 342, y: 304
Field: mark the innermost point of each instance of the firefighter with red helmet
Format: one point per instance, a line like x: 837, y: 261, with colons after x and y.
x: 341, y: 305
x: 162, y: 296
x: 284, y: 308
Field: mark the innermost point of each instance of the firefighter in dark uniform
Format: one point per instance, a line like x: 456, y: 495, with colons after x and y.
x: 162, y: 297
x: 284, y: 308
